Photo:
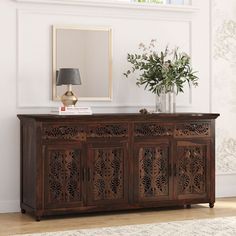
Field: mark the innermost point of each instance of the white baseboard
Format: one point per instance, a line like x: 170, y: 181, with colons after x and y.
x: 9, y: 206
x: 226, y: 185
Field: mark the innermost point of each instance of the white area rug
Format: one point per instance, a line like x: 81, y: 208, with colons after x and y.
x: 214, y: 227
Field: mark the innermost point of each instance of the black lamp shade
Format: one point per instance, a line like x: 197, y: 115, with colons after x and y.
x: 68, y: 76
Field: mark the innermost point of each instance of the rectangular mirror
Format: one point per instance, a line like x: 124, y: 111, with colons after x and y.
x: 90, y: 50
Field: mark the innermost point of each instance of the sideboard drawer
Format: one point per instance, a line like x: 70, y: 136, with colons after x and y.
x: 153, y: 129
x: 64, y: 132
x: 112, y: 130
x: 193, y: 129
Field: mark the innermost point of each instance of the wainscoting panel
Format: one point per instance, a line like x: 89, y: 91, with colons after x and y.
x: 225, y: 185
x: 34, y: 58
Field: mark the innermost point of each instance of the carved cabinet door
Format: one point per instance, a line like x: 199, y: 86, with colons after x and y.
x: 107, y: 174
x: 152, y: 171
x: 192, y: 169
x: 63, y: 178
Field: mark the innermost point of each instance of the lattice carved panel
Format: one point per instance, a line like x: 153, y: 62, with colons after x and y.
x: 152, y: 129
x: 192, y: 129
x: 153, y: 172
x: 108, y: 174
x: 108, y: 130
x: 63, y: 132
x: 64, y: 183
x: 191, y: 170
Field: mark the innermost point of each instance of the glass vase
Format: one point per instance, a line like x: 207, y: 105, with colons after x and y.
x: 166, y: 101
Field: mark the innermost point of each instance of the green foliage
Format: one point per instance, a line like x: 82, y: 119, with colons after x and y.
x: 161, y: 71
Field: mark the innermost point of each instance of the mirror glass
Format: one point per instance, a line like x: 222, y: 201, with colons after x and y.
x: 88, y: 49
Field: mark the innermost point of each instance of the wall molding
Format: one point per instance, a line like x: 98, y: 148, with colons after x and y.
x: 107, y: 14
x: 115, y: 4
x: 99, y: 105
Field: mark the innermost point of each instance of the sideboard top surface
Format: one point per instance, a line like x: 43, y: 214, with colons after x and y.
x: 120, y: 116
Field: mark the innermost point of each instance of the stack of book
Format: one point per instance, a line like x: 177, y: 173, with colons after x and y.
x: 74, y: 111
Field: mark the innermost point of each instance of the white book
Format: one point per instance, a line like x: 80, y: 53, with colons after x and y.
x: 74, y: 111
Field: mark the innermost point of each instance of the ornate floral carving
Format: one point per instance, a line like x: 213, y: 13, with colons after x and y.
x: 225, y: 41
x: 152, y: 129
x: 64, y: 176
x: 63, y: 132
x: 153, y: 171
x: 108, y: 130
x: 190, y: 129
x: 224, y: 99
x: 191, y: 169
x: 108, y: 174
x: 226, y: 155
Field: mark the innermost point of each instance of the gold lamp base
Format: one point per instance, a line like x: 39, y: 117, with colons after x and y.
x: 69, y: 99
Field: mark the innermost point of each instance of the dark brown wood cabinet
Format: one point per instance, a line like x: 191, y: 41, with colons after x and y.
x: 102, y: 162
x: 107, y: 174
x: 193, y: 168
x: 152, y: 171
x: 63, y: 179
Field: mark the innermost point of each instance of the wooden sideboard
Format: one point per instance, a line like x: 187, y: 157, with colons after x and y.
x: 104, y: 162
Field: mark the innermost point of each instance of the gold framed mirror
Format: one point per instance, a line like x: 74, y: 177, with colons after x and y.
x: 90, y: 50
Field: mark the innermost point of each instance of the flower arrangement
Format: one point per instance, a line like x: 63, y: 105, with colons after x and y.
x: 161, y: 71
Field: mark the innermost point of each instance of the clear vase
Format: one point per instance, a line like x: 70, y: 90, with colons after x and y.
x: 166, y: 101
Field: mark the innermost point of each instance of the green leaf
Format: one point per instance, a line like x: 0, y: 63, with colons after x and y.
x: 157, y: 71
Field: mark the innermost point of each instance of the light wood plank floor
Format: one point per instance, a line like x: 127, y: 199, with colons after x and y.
x: 16, y: 223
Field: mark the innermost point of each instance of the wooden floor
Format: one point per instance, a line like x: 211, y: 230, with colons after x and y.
x: 16, y: 223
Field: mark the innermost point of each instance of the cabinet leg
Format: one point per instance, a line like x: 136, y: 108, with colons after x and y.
x: 188, y: 206
x: 38, y: 218
x: 211, y: 204
x: 23, y: 211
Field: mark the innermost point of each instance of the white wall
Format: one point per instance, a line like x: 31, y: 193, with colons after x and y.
x: 224, y: 92
x: 9, y: 135
x: 26, y: 63
x: 129, y: 28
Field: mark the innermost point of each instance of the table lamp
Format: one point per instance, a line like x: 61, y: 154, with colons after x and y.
x: 68, y: 76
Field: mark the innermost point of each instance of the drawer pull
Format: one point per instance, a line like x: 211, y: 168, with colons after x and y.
x: 89, y: 174
x: 170, y: 170
x: 84, y: 174
x: 82, y: 136
x: 175, y: 170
